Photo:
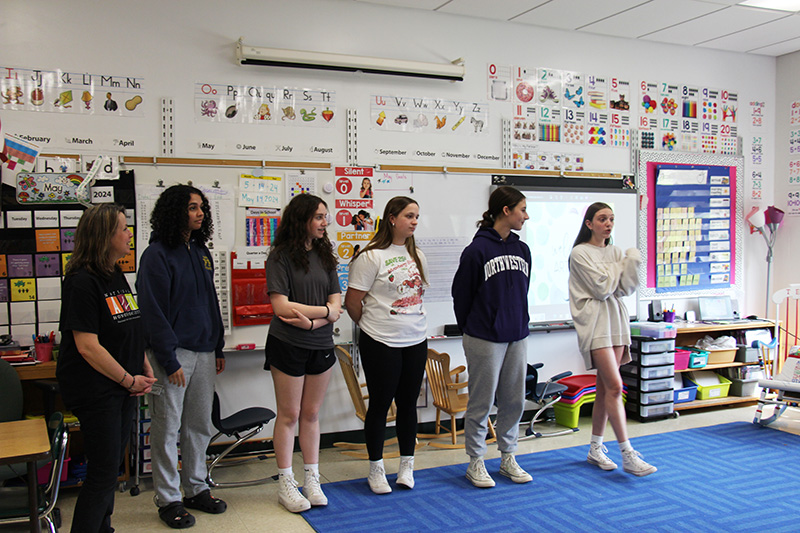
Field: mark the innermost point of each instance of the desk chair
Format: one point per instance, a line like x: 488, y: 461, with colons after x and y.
x: 10, y: 410
x: 360, y: 404
x: 445, y: 386
x: 242, y: 425
x: 544, y: 396
x: 14, y: 500
x: 10, y: 393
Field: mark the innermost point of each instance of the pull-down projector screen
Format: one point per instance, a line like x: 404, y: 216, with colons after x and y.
x: 556, y: 216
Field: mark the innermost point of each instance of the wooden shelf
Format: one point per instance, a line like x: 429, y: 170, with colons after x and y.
x: 716, y: 366
x: 689, y: 333
x: 691, y: 327
x: 716, y: 402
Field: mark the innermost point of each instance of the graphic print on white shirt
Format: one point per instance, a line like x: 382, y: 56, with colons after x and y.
x: 404, y: 274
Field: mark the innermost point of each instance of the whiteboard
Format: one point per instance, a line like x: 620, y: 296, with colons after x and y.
x: 556, y: 216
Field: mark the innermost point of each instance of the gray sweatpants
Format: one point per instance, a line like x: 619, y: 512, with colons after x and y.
x: 187, y: 409
x: 496, y: 371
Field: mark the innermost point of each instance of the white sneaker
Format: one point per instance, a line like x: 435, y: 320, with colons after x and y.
x: 290, y: 497
x: 597, y: 456
x: 377, y: 479
x: 312, y: 489
x: 510, y: 469
x: 633, y: 463
x: 405, y: 475
x: 477, y: 474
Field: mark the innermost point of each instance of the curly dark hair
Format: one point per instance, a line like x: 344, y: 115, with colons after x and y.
x: 170, y: 216
x: 292, y: 233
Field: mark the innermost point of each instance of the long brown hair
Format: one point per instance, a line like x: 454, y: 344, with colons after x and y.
x: 501, y: 197
x: 383, y: 238
x: 293, y: 232
x: 585, y: 234
x: 93, y: 240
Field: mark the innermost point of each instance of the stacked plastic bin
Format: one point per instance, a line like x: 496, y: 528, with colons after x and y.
x: 581, y: 389
x: 649, y: 378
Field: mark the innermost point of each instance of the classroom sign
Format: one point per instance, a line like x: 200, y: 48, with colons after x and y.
x: 57, y: 91
x: 354, y: 217
x: 255, y: 104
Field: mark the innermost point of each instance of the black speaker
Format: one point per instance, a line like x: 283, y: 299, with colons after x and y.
x: 656, y: 311
x: 735, y: 308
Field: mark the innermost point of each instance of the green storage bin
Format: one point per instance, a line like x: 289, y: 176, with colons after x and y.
x: 713, y: 391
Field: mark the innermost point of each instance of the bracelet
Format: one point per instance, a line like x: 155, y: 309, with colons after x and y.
x: 328, y: 309
x: 311, y: 327
x: 123, y: 379
x: 132, y: 384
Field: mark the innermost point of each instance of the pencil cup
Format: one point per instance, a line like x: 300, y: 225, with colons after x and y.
x: 669, y: 316
x: 44, y: 351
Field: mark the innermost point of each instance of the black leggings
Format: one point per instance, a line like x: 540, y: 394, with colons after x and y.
x: 392, y: 374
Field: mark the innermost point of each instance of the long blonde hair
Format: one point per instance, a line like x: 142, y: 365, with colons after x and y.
x: 383, y: 237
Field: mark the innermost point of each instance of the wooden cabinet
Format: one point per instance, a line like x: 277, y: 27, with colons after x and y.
x: 689, y: 333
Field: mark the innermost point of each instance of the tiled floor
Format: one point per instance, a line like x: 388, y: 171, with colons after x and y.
x: 255, y: 509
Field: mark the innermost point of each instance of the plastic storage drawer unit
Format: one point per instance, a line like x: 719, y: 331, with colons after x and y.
x: 651, y: 411
x: 653, y: 359
x: 648, y: 385
x: 650, y: 345
x: 649, y: 372
x: 650, y: 398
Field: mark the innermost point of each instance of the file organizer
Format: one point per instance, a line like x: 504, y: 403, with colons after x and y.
x: 649, y: 378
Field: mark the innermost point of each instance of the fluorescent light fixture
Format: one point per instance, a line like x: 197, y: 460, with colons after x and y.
x: 777, y: 5
x: 275, y: 57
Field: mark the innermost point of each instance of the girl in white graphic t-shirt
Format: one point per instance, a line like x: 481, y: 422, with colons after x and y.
x: 384, y: 297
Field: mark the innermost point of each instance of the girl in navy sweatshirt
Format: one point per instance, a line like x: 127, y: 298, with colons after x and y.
x: 490, y: 299
x: 184, y: 334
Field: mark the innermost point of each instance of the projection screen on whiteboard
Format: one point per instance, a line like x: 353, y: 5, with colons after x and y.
x: 555, y: 218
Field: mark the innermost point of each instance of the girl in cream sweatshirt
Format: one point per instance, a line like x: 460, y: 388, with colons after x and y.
x: 600, y: 276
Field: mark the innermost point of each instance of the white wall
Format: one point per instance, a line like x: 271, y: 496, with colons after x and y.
x: 175, y: 44
x: 787, y: 253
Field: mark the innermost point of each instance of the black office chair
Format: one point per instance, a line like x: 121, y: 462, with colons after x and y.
x: 242, y: 425
x: 14, y: 500
x: 544, y: 395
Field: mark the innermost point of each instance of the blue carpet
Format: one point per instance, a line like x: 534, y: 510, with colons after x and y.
x: 730, y: 477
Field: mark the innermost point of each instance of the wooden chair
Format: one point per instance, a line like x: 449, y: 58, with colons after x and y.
x: 360, y: 404
x: 445, y: 386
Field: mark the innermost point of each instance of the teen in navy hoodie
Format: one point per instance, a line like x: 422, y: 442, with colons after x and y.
x: 490, y: 297
x: 185, y: 336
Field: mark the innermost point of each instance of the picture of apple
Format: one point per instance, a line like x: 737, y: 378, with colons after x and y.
x: 327, y: 115
x: 37, y: 96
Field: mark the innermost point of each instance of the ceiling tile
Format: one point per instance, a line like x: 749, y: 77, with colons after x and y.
x: 490, y: 10
x: 714, y: 25
x: 651, y: 17
x: 779, y: 49
x: 759, y: 36
x: 413, y: 4
x: 573, y: 14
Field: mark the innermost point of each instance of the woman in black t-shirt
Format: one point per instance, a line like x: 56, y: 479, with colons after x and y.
x: 101, y: 365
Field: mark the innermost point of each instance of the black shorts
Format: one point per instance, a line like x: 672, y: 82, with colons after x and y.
x: 295, y: 361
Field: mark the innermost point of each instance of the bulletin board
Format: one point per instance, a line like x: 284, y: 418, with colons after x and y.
x: 669, y: 214
x: 36, y: 242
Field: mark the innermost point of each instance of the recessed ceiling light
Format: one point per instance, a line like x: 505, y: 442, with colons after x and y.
x: 778, y: 5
